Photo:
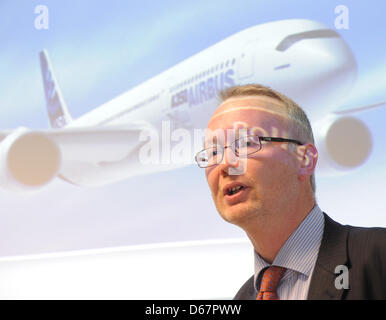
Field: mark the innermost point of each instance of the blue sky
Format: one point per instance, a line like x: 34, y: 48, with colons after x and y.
x: 101, y: 49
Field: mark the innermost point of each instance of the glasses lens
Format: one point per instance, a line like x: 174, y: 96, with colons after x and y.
x: 208, y: 157
x: 247, y: 145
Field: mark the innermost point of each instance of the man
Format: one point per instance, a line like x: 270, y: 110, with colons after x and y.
x: 259, y: 160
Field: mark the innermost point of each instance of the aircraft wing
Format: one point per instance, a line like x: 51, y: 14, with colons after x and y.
x: 31, y: 158
x: 96, y: 145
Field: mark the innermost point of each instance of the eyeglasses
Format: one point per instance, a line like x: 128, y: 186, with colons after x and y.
x: 241, y: 147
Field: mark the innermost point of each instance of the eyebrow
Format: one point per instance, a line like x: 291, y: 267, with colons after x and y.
x: 213, y: 140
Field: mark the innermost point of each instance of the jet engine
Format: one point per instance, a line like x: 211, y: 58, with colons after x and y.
x: 343, y: 143
x: 28, y: 160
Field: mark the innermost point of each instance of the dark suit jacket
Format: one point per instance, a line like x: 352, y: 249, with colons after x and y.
x: 362, y: 250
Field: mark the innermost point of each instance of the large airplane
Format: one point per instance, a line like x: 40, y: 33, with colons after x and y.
x: 303, y: 59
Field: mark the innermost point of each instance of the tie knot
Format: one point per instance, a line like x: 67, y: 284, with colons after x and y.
x: 270, y: 280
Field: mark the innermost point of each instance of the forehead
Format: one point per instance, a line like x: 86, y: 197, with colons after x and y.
x: 249, y: 111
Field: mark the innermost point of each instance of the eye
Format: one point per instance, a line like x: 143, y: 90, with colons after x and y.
x: 211, y: 153
x: 252, y: 142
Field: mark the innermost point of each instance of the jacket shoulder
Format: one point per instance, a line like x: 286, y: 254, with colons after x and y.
x: 367, y: 259
x: 373, y: 235
x: 367, y: 243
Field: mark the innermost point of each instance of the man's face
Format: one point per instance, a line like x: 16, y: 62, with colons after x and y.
x: 269, y: 177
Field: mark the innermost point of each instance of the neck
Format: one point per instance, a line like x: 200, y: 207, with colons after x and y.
x: 270, y: 230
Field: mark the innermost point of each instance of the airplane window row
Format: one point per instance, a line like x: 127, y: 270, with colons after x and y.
x: 205, y: 73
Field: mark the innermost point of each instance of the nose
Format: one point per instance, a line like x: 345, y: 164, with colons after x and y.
x: 229, y: 157
x: 232, y: 164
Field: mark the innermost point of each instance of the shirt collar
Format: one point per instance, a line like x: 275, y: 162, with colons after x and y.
x: 300, y: 251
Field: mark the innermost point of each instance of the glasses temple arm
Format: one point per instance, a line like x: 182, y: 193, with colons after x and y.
x: 279, y: 140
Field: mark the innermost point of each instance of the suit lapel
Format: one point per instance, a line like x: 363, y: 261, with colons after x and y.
x: 332, y: 252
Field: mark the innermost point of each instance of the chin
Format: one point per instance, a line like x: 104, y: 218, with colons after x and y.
x: 237, y: 214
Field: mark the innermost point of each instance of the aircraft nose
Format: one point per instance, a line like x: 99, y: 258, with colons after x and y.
x: 323, y: 57
x: 317, y: 71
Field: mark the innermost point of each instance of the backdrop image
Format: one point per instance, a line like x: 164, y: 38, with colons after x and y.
x: 92, y: 76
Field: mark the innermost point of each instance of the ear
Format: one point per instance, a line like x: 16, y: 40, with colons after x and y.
x: 308, y: 156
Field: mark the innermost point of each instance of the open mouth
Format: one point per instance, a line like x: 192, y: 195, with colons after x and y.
x: 234, y: 190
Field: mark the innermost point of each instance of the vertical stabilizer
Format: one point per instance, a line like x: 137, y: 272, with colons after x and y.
x: 56, y: 107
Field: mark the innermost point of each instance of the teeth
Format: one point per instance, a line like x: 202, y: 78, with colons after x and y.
x: 234, y: 189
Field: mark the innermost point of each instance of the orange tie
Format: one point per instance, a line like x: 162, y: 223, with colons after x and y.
x: 271, y: 278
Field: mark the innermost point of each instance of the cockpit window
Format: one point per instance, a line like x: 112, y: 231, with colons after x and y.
x: 293, y: 38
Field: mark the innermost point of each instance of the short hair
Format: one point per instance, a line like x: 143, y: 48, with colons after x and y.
x: 299, y: 126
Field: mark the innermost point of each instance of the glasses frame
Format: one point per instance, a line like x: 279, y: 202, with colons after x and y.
x: 232, y: 146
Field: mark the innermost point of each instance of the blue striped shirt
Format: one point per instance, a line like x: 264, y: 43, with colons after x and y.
x: 298, y: 255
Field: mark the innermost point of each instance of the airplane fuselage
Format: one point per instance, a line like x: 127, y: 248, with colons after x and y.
x: 303, y: 59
